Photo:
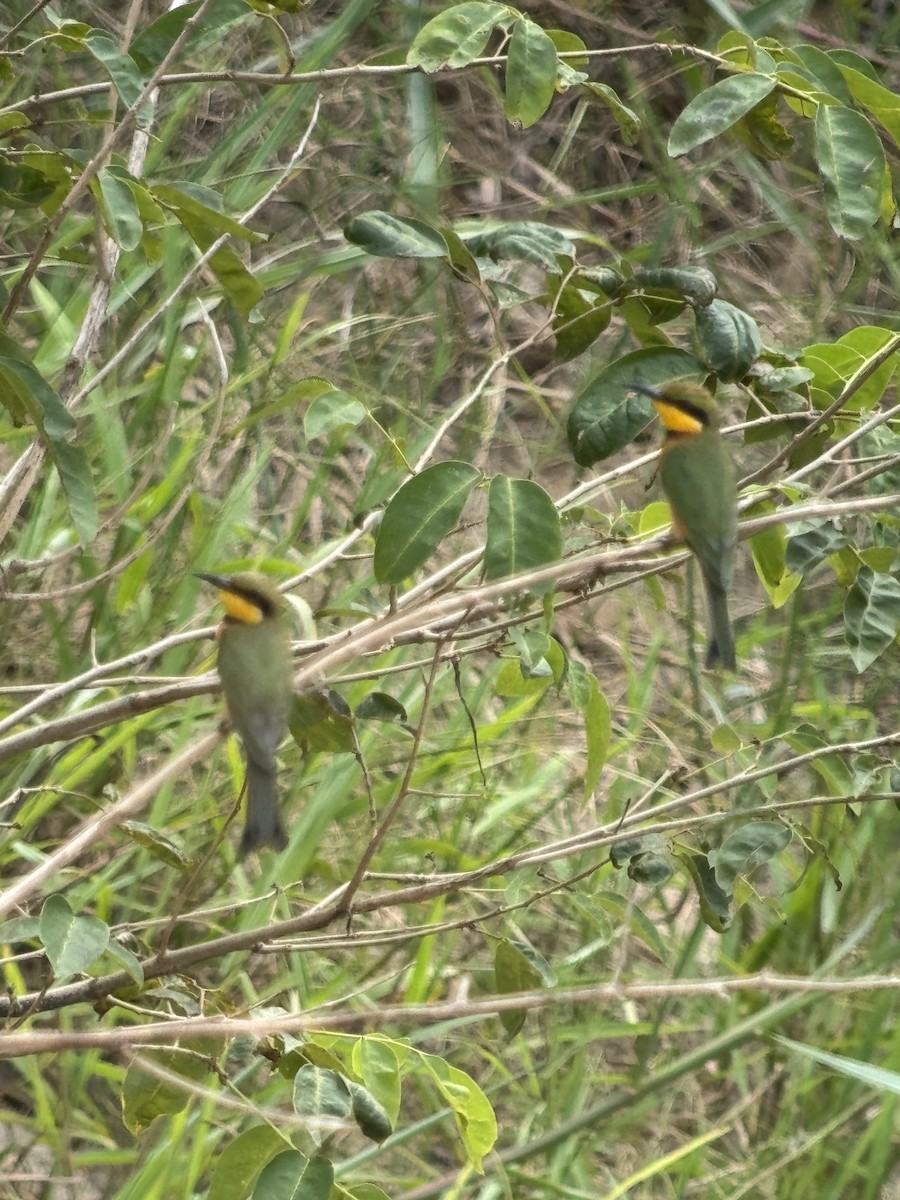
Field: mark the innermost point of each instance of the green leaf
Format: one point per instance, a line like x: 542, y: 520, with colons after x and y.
x: 879, y: 1078
x: 201, y: 207
x: 652, y: 869
x: 145, y: 1096
x: 199, y: 212
x: 460, y: 257
x: 624, y: 851
x: 73, y: 943
x: 20, y: 929
x: 27, y: 396
x: 387, y: 236
x: 514, y: 972
x: 119, y: 209
x: 421, y: 514
x: 531, y: 69
x: 824, y: 69
x: 577, y: 323
x: 729, y: 339
x: 332, y: 411
x: 628, y: 121
x: 369, y: 1115
x: 747, y: 848
x: 158, y: 844
x: 293, y: 1176
x: 456, y: 36
x: 523, y: 529
x: 380, y: 706
x: 587, y: 698
x: 13, y: 120
x: 523, y: 241
x: 881, y: 102
x: 811, y: 542
x: 239, y: 1162
x: 715, y: 904
x: 376, y: 1062
x: 321, y: 723
x: 716, y: 109
x: 868, y: 341
x: 129, y: 961
x: 607, y: 415
x: 517, y: 678
x: 763, y: 133
x: 74, y: 474
x: 696, y: 285
x: 321, y: 1093
x: 475, y: 1120
x: 871, y: 616
x: 122, y: 70
x: 241, y: 287
x: 768, y: 550
x: 851, y: 163
x: 154, y: 42
x: 570, y: 43
x: 23, y: 186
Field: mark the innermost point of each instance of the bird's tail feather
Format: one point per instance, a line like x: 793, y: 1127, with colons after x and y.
x: 721, y: 634
x: 263, y: 826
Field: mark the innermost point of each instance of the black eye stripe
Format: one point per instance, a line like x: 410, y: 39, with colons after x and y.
x: 692, y: 410
x: 263, y: 603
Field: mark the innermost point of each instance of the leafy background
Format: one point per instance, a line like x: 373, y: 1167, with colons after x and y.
x: 321, y: 292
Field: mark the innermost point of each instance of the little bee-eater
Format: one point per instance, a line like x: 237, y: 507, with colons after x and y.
x: 698, y: 478
x: 255, y: 668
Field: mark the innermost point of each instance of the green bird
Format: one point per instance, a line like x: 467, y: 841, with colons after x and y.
x: 254, y: 660
x: 698, y: 478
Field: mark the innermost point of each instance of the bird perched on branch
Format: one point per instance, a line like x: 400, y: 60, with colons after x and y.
x: 254, y: 660
x: 698, y: 478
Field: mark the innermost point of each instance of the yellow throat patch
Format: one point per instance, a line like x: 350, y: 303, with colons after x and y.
x: 240, y: 608
x: 676, y: 420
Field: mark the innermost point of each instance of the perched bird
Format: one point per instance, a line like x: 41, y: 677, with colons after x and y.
x: 255, y: 668
x: 698, y: 478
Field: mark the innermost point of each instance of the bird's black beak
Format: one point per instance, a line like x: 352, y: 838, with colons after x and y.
x: 222, y: 582
x: 644, y: 389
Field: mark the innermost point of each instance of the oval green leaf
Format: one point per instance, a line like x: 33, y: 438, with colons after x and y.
x: 146, y: 1095
x: 419, y: 517
x: 119, y: 209
x: 73, y: 943
x: 369, y: 1114
x: 871, y: 616
x: 523, y: 529
x: 729, y: 338
x: 456, y: 36
x: 376, y: 1062
x: 241, y: 1160
x: 514, y: 972
x: 881, y: 102
x: 293, y: 1176
x: 387, y: 236
x: 531, y: 69
x: 715, y: 904
x: 332, y: 411
x: 748, y: 847
x: 696, y: 285
x: 319, y: 1092
x: 851, y: 163
x: 717, y: 109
